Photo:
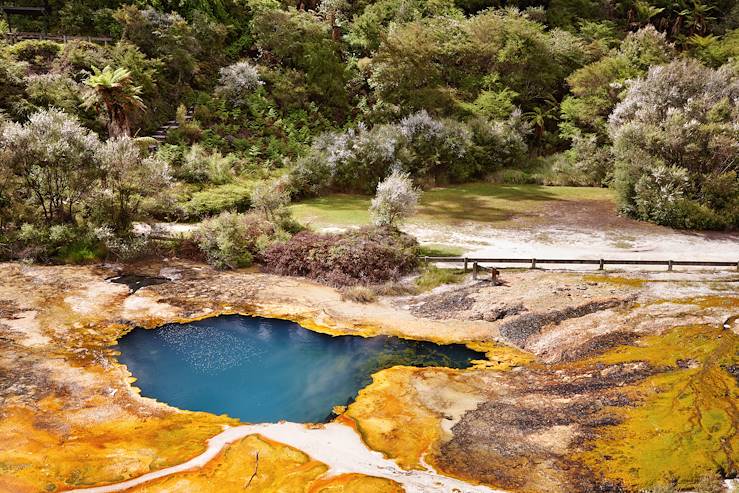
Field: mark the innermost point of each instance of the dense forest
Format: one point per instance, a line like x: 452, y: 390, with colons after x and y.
x: 278, y: 101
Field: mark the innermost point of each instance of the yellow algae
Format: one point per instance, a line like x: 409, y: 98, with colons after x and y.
x: 691, y: 342
x: 499, y: 357
x: 685, y: 421
x: 390, y: 419
x: 730, y: 302
x: 355, y: 483
x: 256, y: 463
x: 612, y: 279
x: 45, y: 452
x: 253, y: 463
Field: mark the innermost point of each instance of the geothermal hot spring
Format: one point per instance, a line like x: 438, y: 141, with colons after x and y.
x: 265, y: 370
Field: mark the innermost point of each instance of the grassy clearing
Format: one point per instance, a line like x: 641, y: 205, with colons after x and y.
x: 479, y: 202
x: 439, y: 250
x: 432, y: 277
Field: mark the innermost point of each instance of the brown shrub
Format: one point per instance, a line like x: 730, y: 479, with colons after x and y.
x: 364, y: 256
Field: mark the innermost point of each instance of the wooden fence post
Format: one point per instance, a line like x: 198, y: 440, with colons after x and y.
x: 533, y: 263
x: 465, y: 264
x: 474, y: 270
x: 669, y: 265
x: 601, y: 265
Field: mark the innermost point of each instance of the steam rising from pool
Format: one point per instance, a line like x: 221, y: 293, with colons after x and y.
x: 266, y: 370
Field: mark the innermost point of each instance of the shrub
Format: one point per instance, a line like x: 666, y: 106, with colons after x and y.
x: 54, y: 156
x: 67, y: 243
x: 676, y: 144
x: 232, y: 240
x: 427, y: 148
x: 238, y: 82
x: 512, y: 177
x: 359, y: 294
x: 229, y: 197
x: 55, y: 90
x: 394, y: 288
x: 657, y: 191
x: 38, y: 53
x: 200, y: 166
x: 395, y: 200
x: 124, y: 247
x: 365, y: 256
x: 79, y: 56
x: 271, y: 199
x: 131, y: 175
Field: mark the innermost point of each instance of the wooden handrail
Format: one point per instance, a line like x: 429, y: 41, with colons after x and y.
x: 601, y: 263
x: 17, y: 36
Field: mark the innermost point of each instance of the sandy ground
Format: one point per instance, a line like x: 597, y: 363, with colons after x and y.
x: 583, y: 243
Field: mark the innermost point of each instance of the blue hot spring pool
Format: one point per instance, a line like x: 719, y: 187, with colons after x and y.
x: 265, y: 370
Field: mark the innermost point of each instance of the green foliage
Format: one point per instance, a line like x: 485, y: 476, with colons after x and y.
x: 201, y: 166
x: 114, y: 90
x: 715, y: 51
x: 367, y: 29
x: 301, y: 41
x: 567, y: 13
x: 430, y: 150
x: 54, y: 157
x: 85, y: 17
x: 229, y: 197
x: 70, y: 244
x: 186, y: 49
x: 432, y: 277
x: 597, y: 87
x: 130, y: 177
x: 337, y: 94
x: 38, y: 53
x: 12, y: 83
x: 411, y: 67
x: 231, y: 240
x: 54, y: 90
x: 677, y: 161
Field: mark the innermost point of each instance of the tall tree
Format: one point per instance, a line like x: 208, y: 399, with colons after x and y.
x: 114, y: 90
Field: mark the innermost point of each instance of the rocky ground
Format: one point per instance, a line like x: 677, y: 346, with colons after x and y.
x: 608, y: 382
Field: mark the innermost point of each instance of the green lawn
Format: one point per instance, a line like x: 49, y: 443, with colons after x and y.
x: 480, y: 202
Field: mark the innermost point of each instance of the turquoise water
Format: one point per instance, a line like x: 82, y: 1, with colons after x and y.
x: 265, y: 370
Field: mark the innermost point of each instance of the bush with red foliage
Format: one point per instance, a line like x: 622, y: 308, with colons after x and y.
x: 364, y: 256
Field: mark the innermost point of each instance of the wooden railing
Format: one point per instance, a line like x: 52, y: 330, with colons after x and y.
x: 14, y: 37
x: 601, y: 263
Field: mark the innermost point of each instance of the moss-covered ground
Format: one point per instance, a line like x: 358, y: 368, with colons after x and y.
x: 684, y: 420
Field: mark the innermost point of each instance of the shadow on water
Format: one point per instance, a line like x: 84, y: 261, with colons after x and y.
x: 265, y: 370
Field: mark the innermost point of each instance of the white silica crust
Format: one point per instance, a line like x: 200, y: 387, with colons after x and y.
x: 336, y: 445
